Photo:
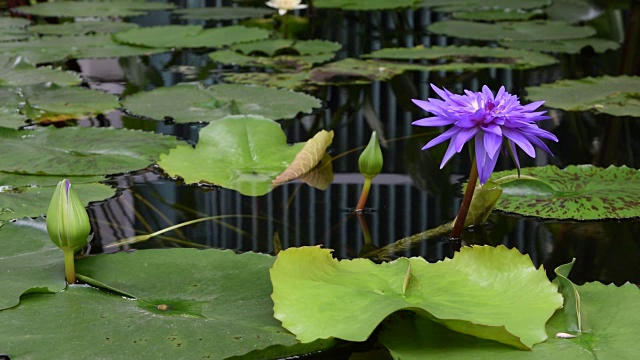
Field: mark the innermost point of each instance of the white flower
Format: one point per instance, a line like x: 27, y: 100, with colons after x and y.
x: 286, y: 5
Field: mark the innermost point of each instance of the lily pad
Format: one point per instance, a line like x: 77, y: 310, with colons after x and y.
x: 617, y: 96
x: 479, y: 5
x: 363, y: 4
x: 81, y: 28
x: 223, y: 309
x: 524, y: 30
x: 99, y: 9
x: 13, y: 180
x: 80, y: 151
x: 222, y: 13
x: 281, y: 54
x: 611, y: 335
x: 192, y: 103
x: 492, y: 293
x: 465, y: 55
x: 244, y: 153
x: 294, y: 81
x: 27, y: 74
x: 582, y: 192
x: 30, y: 262
x: 56, y: 48
x: 352, y: 71
x: 13, y: 22
x: 189, y: 36
x: 564, y: 46
x: 51, y: 103
x: 33, y: 201
x: 309, y: 156
x: 496, y: 15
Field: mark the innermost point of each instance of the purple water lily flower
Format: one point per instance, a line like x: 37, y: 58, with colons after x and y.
x: 490, y: 120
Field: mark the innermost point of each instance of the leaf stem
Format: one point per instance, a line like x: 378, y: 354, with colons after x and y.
x: 69, y: 265
x: 364, y: 194
x: 464, y: 207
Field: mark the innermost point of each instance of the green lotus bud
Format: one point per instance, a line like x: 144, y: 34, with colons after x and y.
x: 67, y: 220
x: 370, y: 162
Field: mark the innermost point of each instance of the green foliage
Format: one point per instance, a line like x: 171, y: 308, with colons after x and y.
x: 188, y: 36
x: 525, y: 30
x: 22, y: 73
x: 364, y: 4
x: 492, y: 293
x: 31, y: 263
x: 581, y: 192
x: 244, y: 153
x: 192, y: 103
x: 222, y: 13
x: 617, y: 96
x: 81, y: 28
x: 573, y: 46
x: 80, y: 151
x: 102, y: 9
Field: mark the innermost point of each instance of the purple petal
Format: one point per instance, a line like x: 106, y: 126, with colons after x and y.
x: 487, y: 93
x: 492, y: 144
x: 520, y: 140
x: 484, y: 163
x: 442, y: 137
x: 463, y: 135
x: 532, y: 106
x: 434, y: 121
x: 448, y: 154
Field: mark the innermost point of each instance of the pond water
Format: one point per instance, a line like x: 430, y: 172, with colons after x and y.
x: 410, y: 196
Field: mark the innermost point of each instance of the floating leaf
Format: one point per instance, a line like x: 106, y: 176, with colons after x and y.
x: 30, y: 263
x: 220, y: 310
x: 465, y: 55
x: 33, y: 201
x: 496, y: 15
x: 613, y: 333
x: 573, y: 11
x: 321, y: 176
x: 582, y: 192
x: 352, y: 71
x: 50, y: 103
x: 13, y: 180
x: 281, y: 54
x: 81, y: 28
x: 27, y: 74
x: 56, y: 48
x: 189, y: 36
x: 293, y: 81
x: 363, y: 4
x: 479, y: 5
x: 617, y: 96
x: 309, y: 156
x: 572, y: 305
x: 222, y: 13
x: 100, y: 9
x: 525, y: 30
x: 13, y: 22
x: 493, y: 293
x: 80, y: 151
x: 564, y: 46
x: 192, y: 103
x: 244, y: 153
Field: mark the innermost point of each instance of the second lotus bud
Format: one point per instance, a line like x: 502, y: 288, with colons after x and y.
x: 370, y: 161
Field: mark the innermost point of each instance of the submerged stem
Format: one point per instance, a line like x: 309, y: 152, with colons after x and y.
x: 364, y: 194
x: 464, y: 207
x: 69, y: 265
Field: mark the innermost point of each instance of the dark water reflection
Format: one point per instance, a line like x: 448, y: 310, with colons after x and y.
x: 411, y: 195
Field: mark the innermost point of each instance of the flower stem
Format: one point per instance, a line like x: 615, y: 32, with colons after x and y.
x: 464, y: 207
x: 69, y: 265
x: 364, y: 194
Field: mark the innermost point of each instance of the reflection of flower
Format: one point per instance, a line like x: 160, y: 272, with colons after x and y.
x: 489, y: 120
x: 286, y: 5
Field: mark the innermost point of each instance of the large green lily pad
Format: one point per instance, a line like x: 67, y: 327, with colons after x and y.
x: 244, y: 153
x: 363, y: 4
x: 100, y: 9
x: 280, y: 54
x: 479, y: 5
x: 582, y: 192
x: 51, y: 103
x: 209, y: 304
x: 192, y: 103
x: 26, y: 74
x: 293, y: 81
x: 189, y: 36
x: 564, y: 46
x: 81, y: 28
x: 524, y: 30
x: 13, y: 180
x: 492, y: 293
x: 34, y: 201
x: 30, y: 262
x: 56, y: 48
x: 13, y: 22
x: 353, y: 71
x: 612, y: 328
x: 80, y: 151
x: 496, y: 15
x: 223, y: 13
x: 462, y: 56
x: 617, y: 96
